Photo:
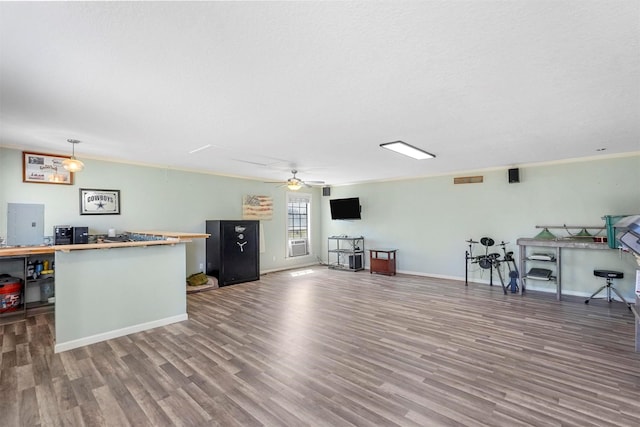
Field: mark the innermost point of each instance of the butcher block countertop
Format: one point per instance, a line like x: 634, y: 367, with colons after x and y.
x: 174, y: 234
x: 109, y: 245
x: 36, y: 250
x: 26, y: 250
x: 168, y: 238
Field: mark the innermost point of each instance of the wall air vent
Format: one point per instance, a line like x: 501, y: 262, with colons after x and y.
x: 468, y: 180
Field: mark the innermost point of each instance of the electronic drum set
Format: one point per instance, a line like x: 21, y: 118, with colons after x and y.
x: 491, y: 261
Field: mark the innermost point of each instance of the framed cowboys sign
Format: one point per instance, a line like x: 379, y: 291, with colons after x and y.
x: 99, y: 202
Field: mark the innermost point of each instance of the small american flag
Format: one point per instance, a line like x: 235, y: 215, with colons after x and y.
x: 257, y: 207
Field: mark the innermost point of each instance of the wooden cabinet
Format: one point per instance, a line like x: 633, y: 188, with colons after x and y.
x: 382, y: 261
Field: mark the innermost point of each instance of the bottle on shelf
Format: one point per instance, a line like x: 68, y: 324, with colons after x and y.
x: 31, y: 269
x: 38, y: 269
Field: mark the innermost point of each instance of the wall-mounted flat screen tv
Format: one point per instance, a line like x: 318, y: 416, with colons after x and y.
x: 345, y: 208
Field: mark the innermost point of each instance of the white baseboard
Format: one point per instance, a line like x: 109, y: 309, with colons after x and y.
x: 435, y: 276
x: 293, y: 267
x: 69, y: 345
x: 476, y: 281
x: 496, y: 281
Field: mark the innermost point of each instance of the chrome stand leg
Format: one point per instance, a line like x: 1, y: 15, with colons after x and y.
x: 610, y: 288
x: 496, y: 265
x: 620, y: 296
x: 594, y: 294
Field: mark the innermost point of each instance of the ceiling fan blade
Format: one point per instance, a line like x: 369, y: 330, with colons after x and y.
x: 314, y: 182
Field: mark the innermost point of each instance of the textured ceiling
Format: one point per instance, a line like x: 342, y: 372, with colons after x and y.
x: 319, y: 85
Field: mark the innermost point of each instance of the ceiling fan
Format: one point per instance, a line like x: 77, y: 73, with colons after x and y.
x: 294, y: 183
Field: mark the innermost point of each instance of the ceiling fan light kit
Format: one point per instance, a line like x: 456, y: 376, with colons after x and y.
x: 408, y: 150
x: 294, y: 183
x: 72, y: 164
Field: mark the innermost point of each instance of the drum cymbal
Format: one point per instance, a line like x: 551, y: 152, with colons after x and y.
x: 487, y: 241
x: 470, y: 241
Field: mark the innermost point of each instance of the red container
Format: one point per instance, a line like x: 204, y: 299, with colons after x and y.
x: 10, y: 290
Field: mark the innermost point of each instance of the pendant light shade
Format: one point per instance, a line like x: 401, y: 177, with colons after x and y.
x: 583, y: 233
x: 545, y: 234
x: 73, y: 164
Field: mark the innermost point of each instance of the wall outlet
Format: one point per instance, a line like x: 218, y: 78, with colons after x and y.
x: 201, y: 266
x: 274, y: 257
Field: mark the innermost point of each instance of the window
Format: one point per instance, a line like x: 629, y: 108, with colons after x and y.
x: 298, y: 224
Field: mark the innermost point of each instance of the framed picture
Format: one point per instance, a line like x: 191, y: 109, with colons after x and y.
x: 99, y: 202
x: 45, y: 168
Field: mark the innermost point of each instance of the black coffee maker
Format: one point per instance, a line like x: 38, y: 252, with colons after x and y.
x: 62, y: 234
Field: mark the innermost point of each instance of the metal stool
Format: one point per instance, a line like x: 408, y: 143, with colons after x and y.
x: 609, y: 275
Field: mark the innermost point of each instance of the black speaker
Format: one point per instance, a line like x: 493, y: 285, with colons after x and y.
x: 326, y: 191
x: 355, y: 262
x: 514, y: 175
x: 80, y: 235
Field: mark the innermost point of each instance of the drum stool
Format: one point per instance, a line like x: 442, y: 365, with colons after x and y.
x: 609, y: 275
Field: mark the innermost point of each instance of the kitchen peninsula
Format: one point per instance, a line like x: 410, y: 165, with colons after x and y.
x: 107, y: 290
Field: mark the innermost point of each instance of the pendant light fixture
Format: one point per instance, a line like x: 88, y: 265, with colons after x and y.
x: 545, y: 234
x: 583, y: 233
x: 73, y: 164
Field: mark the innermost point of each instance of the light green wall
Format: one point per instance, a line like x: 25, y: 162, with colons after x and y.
x: 428, y: 220
x: 157, y: 199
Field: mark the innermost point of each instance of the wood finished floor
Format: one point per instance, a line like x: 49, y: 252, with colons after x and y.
x: 337, y: 348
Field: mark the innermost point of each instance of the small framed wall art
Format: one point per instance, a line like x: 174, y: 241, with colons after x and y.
x: 257, y: 207
x: 99, y: 202
x: 43, y: 168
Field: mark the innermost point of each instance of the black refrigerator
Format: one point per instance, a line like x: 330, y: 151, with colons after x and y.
x: 233, y: 251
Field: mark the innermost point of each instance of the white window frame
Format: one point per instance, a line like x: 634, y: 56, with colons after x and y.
x: 298, y: 198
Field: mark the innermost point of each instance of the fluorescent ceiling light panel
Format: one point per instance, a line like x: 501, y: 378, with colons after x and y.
x: 407, y: 150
